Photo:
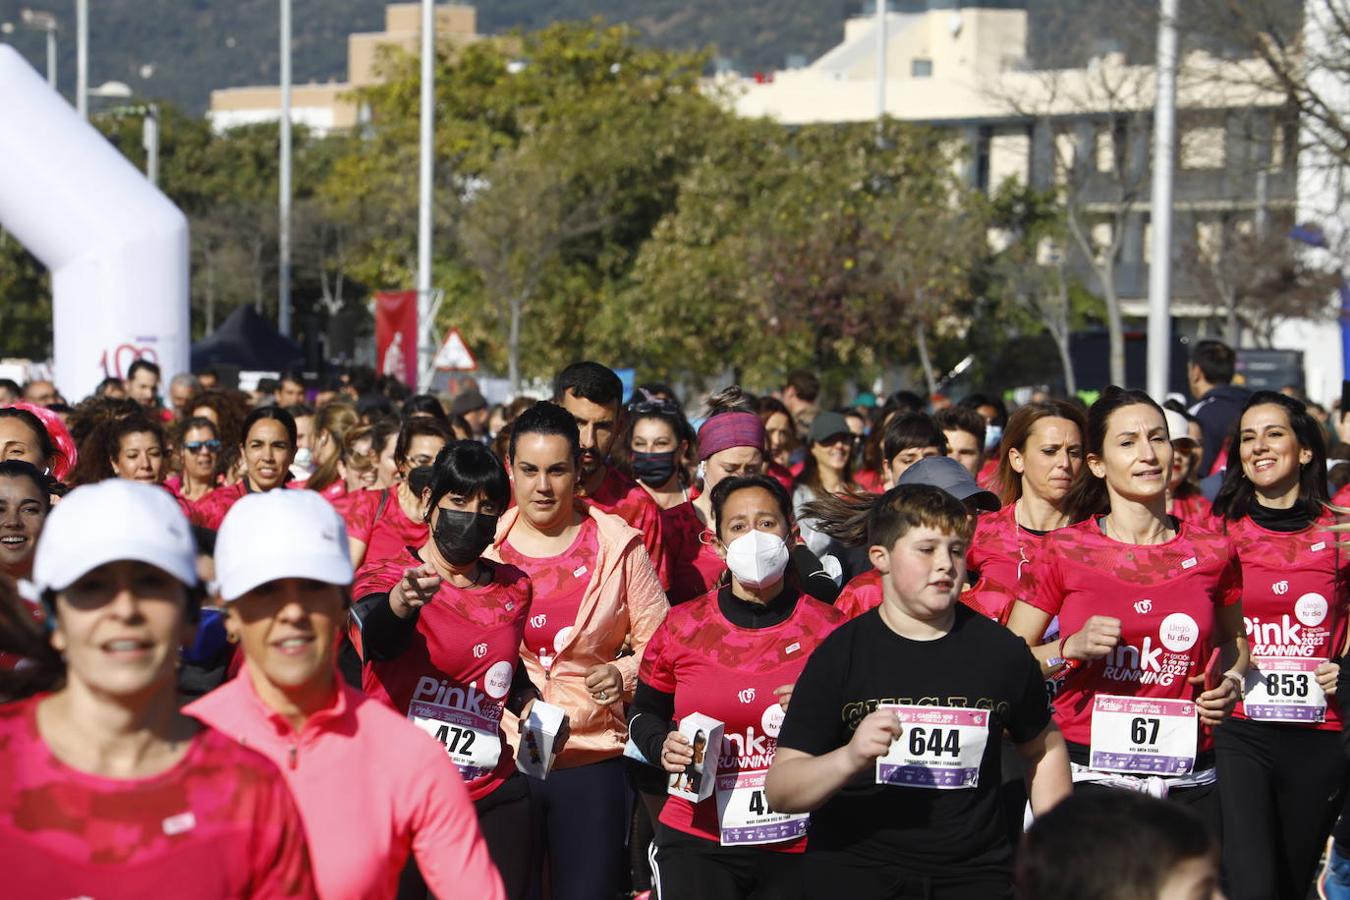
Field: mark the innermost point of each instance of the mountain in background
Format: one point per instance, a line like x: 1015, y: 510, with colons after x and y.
x: 180, y: 50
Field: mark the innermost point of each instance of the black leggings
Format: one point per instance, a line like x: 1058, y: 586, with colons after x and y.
x: 685, y: 867
x: 1282, y: 788
x: 512, y: 828
x: 586, y: 812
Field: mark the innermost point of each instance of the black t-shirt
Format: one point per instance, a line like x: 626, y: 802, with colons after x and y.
x: 863, y: 664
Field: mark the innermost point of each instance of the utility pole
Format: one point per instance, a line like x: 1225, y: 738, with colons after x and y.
x: 82, y: 58
x: 1160, y: 264
x: 284, y: 202
x: 881, y: 70
x: 427, y: 135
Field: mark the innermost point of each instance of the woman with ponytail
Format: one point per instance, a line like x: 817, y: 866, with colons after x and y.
x: 1151, y: 635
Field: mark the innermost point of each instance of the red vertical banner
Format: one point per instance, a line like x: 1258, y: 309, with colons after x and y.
x: 396, y: 335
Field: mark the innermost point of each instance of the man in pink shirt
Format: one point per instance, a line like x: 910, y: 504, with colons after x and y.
x: 369, y: 784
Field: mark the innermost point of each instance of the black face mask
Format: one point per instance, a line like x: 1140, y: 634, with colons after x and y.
x: 461, y: 537
x: 654, y: 469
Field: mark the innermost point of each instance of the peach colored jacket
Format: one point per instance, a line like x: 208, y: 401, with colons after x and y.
x: 623, y: 604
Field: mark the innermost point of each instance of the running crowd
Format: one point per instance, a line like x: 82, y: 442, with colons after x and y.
x: 344, y: 642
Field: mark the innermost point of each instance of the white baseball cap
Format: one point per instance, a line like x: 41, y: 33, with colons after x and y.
x: 280, y: 534
x: 110, y: 521
x: 1178, y: 426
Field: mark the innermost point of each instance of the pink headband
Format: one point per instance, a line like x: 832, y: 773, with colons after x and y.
x: 65, y: 456
x: 730, y: 429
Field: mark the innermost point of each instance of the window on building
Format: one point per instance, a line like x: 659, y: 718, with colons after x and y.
x: 1102, y: 233
x: 1066, y: 152
x: 1202, y: 148
x: 1009, y: 157
x: 1106, y: 149
x: 921, y: 68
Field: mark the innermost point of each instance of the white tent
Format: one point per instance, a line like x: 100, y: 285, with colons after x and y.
x: 116, y: 247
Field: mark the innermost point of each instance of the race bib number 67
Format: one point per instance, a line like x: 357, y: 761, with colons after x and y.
x: 939, y: 748
x: 1143, y: 736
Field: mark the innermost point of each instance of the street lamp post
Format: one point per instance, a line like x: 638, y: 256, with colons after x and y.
x: 284, y: 181
x: 149, y: 123
x: 426, y: 135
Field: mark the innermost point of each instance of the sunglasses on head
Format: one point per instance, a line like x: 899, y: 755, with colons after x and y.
x: 212, y: 445
x: 647, y: 407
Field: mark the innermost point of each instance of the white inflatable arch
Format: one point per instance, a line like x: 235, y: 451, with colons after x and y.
x: 116, y: 247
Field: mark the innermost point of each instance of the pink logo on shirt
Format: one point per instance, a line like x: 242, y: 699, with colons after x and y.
x: 747, y: 695
x: 479, y: 651
x: 1143, y: 607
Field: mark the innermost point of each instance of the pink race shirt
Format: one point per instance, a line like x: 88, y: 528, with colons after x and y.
x: 691, y: 557
x: 370, y: 788
x: 387, y: 533
x: 1293, y: 595
x: 862, y: 593
x: 458, y: 669
x: 219, y: 823
x: 558, y: 585
x: 1165, y: 596
x: 621, y: 496
x: 729, y: 673
x: 999, y: 553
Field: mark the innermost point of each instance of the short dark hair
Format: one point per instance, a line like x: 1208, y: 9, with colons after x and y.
x: 420, y: 426
x: 976, y: 400
x: 293, y: 377
x: 140, y: 364
x: 1215, y: 360
x: 103, y: 386
x: 269, y: 412
x: 298, y: 410
x: 546, y: 418
x: 19, y: 468
x: 589, y: 381
x: 723, y: 490
x: 268, y: 385
x: 9, y: 384
x: 468, y: 468
x: 1108, y: 845
x: 804, y: 384
x: 961, y: 418
x: 425, y: 405
x: 908, y: 431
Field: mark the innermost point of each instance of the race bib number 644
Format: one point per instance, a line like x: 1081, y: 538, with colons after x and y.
x: 939, y: 748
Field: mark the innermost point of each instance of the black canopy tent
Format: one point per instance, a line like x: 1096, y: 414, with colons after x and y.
x: 247, y: 341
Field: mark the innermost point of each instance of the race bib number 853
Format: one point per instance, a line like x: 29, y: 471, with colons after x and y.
x: 1284, y: 689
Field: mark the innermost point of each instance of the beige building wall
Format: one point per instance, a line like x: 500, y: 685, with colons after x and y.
x: 332, y: 106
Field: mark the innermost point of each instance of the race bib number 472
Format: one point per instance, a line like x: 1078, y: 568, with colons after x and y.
x: 939, y: 748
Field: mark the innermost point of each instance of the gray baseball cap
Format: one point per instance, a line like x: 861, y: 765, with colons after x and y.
x: 948, y: 474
